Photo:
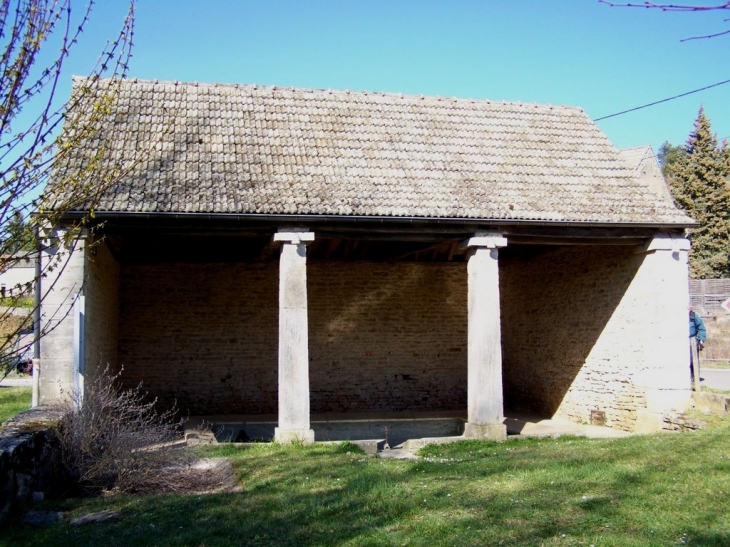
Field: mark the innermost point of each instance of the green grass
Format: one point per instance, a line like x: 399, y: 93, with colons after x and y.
x: 637, y: 491
x: 12, y: 401
x: 715, y: 364
x: 715, y: 390
x: 17, y: 302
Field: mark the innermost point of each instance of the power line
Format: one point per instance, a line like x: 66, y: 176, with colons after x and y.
x: 662, y: 101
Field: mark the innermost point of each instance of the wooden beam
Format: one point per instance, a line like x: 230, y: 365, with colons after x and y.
x: 531, y: 240
x: 452, y: 250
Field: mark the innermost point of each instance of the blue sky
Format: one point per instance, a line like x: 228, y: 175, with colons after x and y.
x: 573, y: 52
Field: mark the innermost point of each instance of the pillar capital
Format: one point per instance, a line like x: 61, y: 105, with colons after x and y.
x: 295, y: 236
x: 665, y: 242
x: 485, y: 240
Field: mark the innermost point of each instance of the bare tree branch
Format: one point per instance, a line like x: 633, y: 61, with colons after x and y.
x: 31, y: 151
x: 668, y: 7
x: 677, y: 8
x: 706, y: 36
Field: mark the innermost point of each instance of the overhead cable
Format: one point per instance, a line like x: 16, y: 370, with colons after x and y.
x: 662, y: 101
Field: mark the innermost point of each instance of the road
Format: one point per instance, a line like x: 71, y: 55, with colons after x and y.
x: 715, y: 378
x: 17, y: 382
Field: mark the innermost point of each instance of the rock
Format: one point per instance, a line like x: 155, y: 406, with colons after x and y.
x: 42, y: 517
x: 101, y: 516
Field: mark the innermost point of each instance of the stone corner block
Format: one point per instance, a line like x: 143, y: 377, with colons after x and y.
x: 487, y: 432
x: 648, y: 422
x: 289, y: 436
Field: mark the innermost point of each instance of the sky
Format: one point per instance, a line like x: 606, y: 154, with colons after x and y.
x: 563, y: 52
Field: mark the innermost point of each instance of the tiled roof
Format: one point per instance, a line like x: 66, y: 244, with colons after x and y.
x: 252, y: 149
x: 644, y: 163
x: 637, y: 155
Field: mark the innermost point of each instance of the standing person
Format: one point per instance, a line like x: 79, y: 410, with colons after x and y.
x: 697, y: 337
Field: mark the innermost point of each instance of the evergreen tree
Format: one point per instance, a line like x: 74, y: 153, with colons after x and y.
x: 699, y: 181
x: 19, y: 237
x: 668, y: 155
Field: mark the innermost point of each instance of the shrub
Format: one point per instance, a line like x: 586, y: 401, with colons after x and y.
x: 114, y: 439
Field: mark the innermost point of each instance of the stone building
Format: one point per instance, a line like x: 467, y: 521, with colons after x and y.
x: 295, y: 251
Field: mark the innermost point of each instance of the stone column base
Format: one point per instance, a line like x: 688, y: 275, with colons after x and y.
x: 289, y: 436
x: 491, y: 432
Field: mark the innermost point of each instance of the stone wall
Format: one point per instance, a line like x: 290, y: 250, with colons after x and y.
x: 585, y: 328
x: 28, y: 470
x: 381, y: 336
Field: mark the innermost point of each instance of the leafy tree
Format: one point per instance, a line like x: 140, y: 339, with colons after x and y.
x: 699, y: 178
x: 669, y: 155
x: 36, y: 39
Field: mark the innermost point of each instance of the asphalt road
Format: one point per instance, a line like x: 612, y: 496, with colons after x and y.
x: 17, y: 382
x: 715, y: 378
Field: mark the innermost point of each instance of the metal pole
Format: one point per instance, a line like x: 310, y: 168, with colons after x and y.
x: 694, y: 348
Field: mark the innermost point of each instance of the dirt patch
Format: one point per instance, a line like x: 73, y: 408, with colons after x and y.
x: 208, y: 476
x: 202, y: 476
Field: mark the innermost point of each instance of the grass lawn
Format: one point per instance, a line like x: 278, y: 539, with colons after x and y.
x: 651, y: 490
x: 12, y: 401
x: 715, y: 364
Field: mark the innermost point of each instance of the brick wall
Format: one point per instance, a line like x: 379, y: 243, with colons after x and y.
x: 583, y: 328
x: 556, y: 306
x: 387, y: 336
x: 101, y: 309
x: 382, y: 336
x: 202, y: 334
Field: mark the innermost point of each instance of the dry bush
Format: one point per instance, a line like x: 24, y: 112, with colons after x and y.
x: 115, y: 440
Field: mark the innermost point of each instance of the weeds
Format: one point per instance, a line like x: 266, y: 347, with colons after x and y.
x: 114, y: 439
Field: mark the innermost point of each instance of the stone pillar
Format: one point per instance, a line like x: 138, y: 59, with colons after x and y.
x: 63, y: 261
x: 485, y: 398
x: 662, y: 284
x: 293, y: 339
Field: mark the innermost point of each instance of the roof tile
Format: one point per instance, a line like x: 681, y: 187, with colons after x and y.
x: 253, y: 149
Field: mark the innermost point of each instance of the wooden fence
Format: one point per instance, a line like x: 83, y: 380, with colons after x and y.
x: 706, y: 296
